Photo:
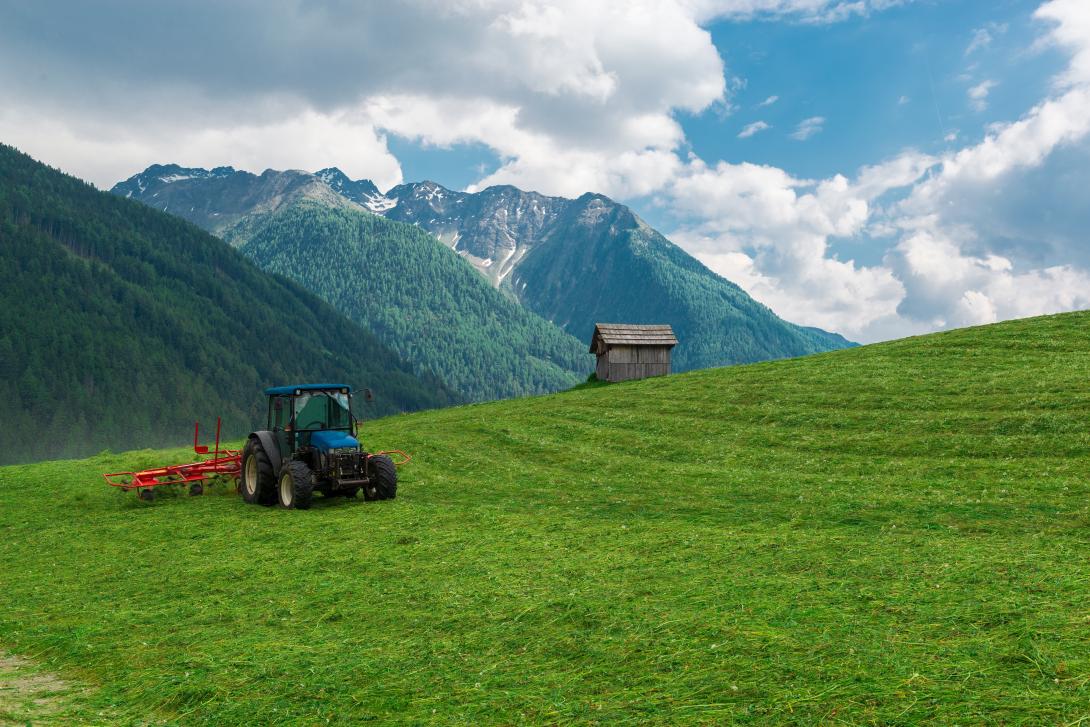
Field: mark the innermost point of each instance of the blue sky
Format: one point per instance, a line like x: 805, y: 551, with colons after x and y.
x: 891, y: 80
x: 875, y: 167
x: 455, y: 166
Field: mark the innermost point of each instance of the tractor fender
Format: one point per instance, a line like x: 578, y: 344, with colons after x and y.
x: 268, y: 443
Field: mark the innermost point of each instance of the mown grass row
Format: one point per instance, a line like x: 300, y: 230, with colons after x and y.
x: 894, y: 534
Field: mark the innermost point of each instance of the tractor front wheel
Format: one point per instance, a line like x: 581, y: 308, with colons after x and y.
x: 296, y: 486
x: 258, y: 482
x: 383, y: 484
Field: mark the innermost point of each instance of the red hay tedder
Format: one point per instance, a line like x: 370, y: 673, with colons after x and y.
x: 309, y: 445
x: 216, y: 463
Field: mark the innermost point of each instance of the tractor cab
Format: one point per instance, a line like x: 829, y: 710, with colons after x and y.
x: 318, y: 415
x: 310, y: 445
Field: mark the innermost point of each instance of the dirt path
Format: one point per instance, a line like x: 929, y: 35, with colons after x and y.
x: 31, y: 696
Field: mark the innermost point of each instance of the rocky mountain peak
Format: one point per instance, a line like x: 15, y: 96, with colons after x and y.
x: 492, y: 228
x: 216, y: 199
x: 358, y: 190
x: 159, y: 174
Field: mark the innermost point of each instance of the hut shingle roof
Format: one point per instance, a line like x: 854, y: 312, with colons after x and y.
x: 627, y: 334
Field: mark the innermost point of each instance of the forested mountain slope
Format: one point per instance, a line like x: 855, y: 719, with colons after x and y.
x: 418, y: 297
x: 121, y: 325
x: 600, y: 262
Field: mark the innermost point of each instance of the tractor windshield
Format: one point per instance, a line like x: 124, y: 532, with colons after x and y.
x: 322, y: 410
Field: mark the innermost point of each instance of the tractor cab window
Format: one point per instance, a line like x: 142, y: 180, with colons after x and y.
x: 322, y: 410
x: 279, y: 412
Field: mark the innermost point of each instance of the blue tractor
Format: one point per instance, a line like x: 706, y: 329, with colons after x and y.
x: 309, y: 445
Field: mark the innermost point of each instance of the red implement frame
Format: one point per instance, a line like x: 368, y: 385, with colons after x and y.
x: 405, y: 458
x: 217, y: 462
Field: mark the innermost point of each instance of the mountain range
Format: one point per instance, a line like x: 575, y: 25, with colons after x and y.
x: 573, y: 262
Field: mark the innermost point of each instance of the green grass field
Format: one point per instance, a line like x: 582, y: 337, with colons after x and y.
x: 894, y: 534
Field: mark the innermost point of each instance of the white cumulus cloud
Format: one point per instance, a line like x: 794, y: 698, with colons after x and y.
x: 978, y: 95
x: 983, y: 37
x: 809, y: 11
x: 755, y: 128
x: 808, y: 127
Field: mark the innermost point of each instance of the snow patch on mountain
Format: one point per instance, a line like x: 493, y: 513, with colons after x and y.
x: 379, y: 204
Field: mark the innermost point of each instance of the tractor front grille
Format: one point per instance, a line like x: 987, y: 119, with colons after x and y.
x: 349, y: 464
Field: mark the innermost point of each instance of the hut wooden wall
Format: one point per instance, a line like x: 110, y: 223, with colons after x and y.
x: 623, y: 363
x: 602, y: 369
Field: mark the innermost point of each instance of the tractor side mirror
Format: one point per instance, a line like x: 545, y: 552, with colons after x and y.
x: 368, y: 397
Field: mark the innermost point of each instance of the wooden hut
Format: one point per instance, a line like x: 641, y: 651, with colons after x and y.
x: 628, y: 351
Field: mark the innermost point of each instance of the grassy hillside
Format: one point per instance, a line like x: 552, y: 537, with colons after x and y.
x: 419, y: 297
x: 895, y: 534
x: 121, y: 325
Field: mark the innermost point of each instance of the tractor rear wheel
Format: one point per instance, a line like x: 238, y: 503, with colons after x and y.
x: 296, y: 488
x: 383, y: 485
x: 257, y: 482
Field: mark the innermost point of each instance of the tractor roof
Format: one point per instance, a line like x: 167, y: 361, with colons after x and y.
x: 289, y: 390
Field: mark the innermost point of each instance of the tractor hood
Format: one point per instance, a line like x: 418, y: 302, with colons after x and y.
x: 332, y: 439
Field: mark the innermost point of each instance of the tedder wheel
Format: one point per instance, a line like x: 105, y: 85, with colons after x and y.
x: 296, y: 488
x: 145, y: 494
x: 383, y: 484
x: 257, y: 482
x: 196, y: 488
